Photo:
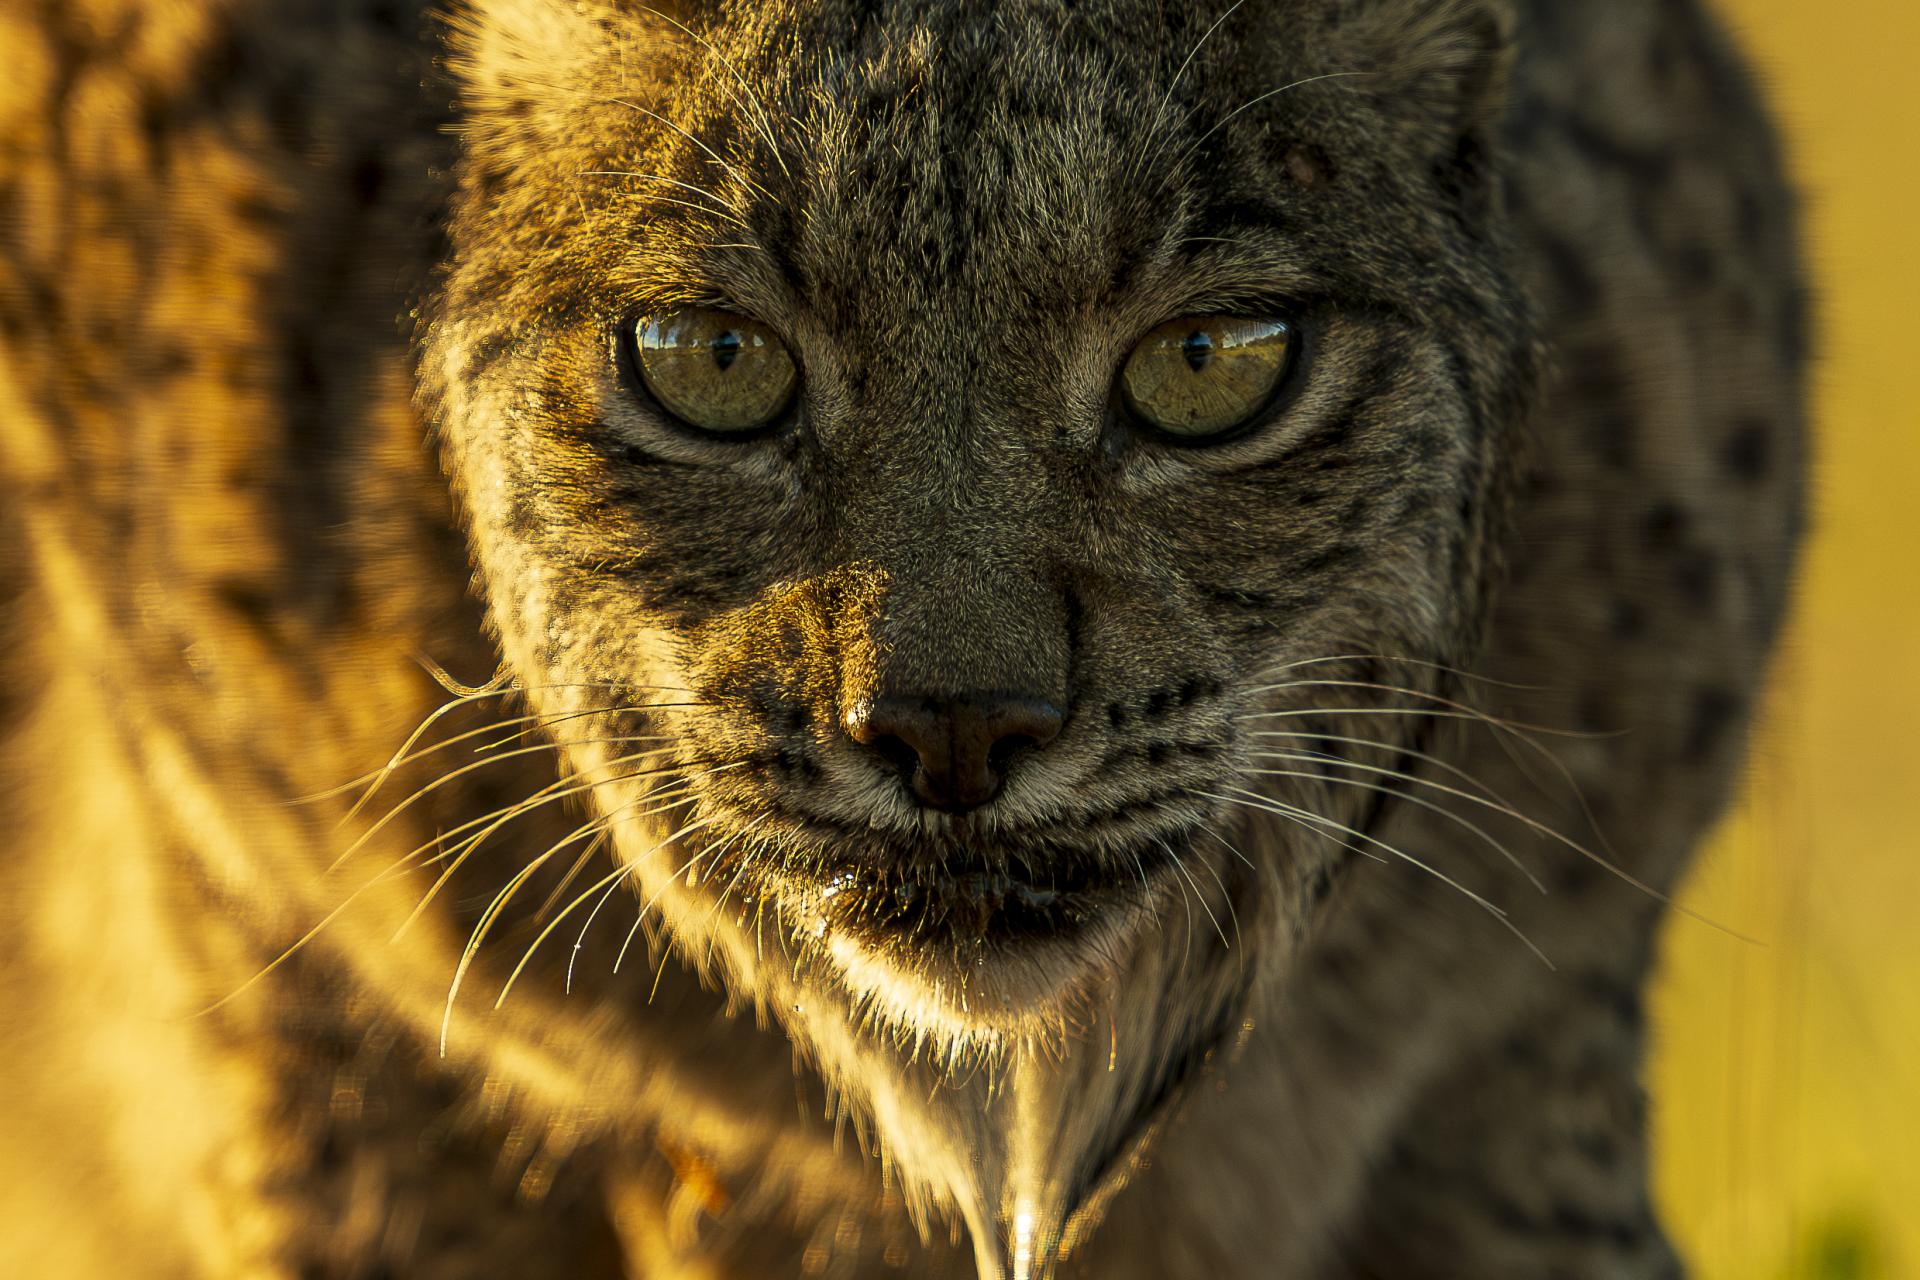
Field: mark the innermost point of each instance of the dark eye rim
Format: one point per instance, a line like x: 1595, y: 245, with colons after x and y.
x: 626, y: 359
x: 1285, y: 389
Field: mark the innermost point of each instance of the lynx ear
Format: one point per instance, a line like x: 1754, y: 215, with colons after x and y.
x: 1447, y: 60
x: 527, y: 69
x: 1441, y: 68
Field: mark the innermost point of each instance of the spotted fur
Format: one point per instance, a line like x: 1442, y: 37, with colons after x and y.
x: 1388, y: 725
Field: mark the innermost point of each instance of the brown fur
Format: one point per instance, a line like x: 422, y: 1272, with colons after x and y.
x: 1540, y: 466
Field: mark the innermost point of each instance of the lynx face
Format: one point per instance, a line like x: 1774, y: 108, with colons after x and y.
x: 969, y: 421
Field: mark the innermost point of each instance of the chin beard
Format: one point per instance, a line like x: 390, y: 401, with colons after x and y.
x: 1011, y: 1084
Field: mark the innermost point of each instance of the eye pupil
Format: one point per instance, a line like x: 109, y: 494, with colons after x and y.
x: 1198, y: 349
x: 726, y: 349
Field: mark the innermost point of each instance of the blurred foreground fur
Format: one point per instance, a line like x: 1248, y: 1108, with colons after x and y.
x: 304, y: 309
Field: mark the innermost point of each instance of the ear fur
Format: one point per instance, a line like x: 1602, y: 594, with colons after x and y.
x: 528, y: 69
x: 1441, y: 68
x: 1447, y: 60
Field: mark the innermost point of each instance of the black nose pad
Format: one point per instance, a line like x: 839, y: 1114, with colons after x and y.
x: 953, y: 752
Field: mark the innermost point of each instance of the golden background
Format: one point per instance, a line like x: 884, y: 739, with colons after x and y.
x: 1786, y: 1078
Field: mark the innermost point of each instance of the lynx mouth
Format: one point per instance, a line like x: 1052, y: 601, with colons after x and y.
x: 963, y: 900
x: 994, y: 932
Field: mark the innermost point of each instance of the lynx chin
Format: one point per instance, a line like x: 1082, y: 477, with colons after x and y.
x: 991, y: 640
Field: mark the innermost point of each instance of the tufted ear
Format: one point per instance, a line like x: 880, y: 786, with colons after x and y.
x: 527, y: 69
x: 1443, y: 62
x: 1442, y: 67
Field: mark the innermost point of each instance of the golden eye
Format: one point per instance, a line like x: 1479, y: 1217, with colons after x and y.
x: 1203, y: 376
x: 719, y: 372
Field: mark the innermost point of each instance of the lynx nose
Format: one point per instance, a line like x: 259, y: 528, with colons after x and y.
x: 953, y: 752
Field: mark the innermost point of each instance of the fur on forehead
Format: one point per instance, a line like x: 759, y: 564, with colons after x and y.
x: 548, y: 82
x: 1439, y: 55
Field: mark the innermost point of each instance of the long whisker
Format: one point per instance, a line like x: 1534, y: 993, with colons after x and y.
x: 1226, y: 898
x: 1193, y: 53
x: 380, y: 776
x: 573, y: 873
x: 1421, y: 801
x: 657, y: 177
x: 1476, y: 717
x: 473, y: 843
x: 642, y: 914
x: 390, y: 873
x: 406, y: 863
x: 1518, y: 732
x: 1180, y: 866
x: 1514, y: 726
x: 1230, y: 847
x: 503, y: 679
x: 737, y: 221
x: 1186, y: 903
x: 1430, y: 665
x: 580, y: 939
x: 478, y: 937
x: 503, y: 686
x: 1223, y: 121
x: 1489, y: 801
x: 740, y: 174
x: 567, y: 716
x: 619, y: 873
x: 455, y: 774
x: 1254, y: 800
x: 1389, y: 748
x: 560, y: 789
x: 758, y: 107
x: 1535, y: 825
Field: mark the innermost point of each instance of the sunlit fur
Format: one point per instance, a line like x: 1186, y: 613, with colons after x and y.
x: 1388, y: 722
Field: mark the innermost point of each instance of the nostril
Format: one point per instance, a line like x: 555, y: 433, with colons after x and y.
x: 895, y: 751
x: 1031, y: 721
x: 954, y: 752
x: 912, y: 734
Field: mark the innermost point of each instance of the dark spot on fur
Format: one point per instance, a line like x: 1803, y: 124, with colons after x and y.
x: 1573, y: 276
x: 1696, y: 577
x: 1695, y: 265
x: 1663, y: 526
x: 1617, y: 995
x: 1748, y: 452
x: 1601, y: 1149
x: 1715, y: 710
x: 1597, y: 384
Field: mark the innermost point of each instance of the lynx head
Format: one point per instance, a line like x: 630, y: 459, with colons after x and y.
x: 998, y: 422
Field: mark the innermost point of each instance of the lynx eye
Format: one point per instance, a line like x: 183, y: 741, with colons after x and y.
x: 1202, y: 377
x: 721, y: 373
